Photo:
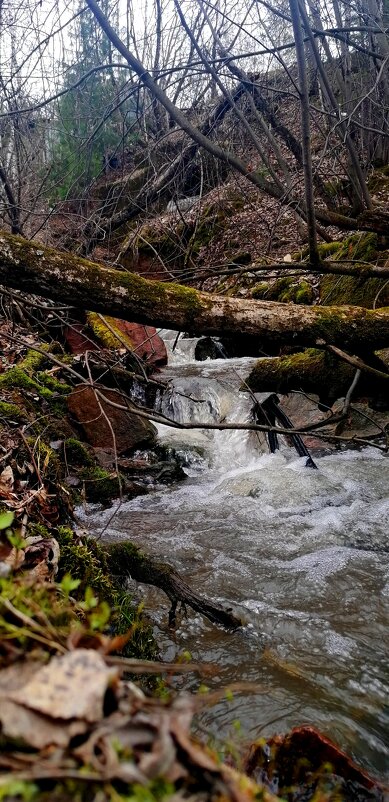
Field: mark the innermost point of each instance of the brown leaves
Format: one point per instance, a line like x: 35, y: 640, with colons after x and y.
x: 122, y: 735
x: 72, y: 686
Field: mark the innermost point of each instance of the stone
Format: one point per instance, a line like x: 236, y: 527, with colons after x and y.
x: 130, y: 430
x: 146, y: 343
x: 77, y: 339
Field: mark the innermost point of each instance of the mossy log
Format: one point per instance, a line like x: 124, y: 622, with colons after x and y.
x: 125, y: 559
x: 315, y: 371
x: 32, y: 267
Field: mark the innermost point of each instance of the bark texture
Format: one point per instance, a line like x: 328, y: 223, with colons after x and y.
x: 125, y: 559
x: 318, y: 372
x: 32, y: 267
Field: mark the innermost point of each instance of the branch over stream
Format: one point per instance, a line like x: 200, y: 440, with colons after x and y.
x: 125, y: 559
x: 32, y: 267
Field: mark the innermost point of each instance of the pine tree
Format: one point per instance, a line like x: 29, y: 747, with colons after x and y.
x: 93, y: 118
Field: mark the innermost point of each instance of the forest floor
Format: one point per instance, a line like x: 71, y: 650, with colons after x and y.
x: 74, y: 723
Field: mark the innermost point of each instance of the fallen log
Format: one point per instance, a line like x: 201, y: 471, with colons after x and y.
x: 316, y: 371
x: 32, y: 267
x: 126, y: 560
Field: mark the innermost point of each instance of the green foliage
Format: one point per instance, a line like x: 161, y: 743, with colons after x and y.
x: 18, y: 789
x: 6, y: 519
x: 91, y: 118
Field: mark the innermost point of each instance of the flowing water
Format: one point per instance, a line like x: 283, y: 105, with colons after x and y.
x: 301, y: 555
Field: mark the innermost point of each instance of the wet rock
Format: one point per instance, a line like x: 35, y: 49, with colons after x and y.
x: 305, y: 764
x: 210, y: 348
x: 141, y: 340
x: 96, y: 421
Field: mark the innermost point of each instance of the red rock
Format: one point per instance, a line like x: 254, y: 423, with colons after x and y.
x: 304, y: 756
x: 78, y: 340
x: 147, y: 344
x: 130, y: 430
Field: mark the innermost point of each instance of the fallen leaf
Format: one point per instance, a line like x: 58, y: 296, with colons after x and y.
x: 14, y: 559
x: 35, y: 729
x: 6, y: 481
x: 71, y: 686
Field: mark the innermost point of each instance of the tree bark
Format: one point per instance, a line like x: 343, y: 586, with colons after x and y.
x: 125, y: 559
x: 305, y: 132
x: 315, y: 371
x: 32, y: 267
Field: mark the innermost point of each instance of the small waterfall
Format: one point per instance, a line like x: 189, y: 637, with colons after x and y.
x: 208, y: 392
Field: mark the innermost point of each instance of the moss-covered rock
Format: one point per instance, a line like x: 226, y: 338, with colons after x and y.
x: 100, y: 486
x: 367, y: 292
x: 357, y: 290
x: 88, y: 561
x: 76, y: 453
x: 285, y: 290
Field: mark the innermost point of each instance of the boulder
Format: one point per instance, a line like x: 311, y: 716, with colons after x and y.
x: 130, y: 430
x: 142, y: 340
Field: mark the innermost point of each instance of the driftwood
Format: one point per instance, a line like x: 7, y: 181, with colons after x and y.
x: 125, y: 559
x: 267, y: 410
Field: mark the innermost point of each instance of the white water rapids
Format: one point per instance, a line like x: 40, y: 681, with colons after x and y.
x: 301, y: 555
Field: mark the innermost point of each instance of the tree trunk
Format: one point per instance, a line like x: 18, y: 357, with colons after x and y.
x: 32, y: 267
x: 318, y: 372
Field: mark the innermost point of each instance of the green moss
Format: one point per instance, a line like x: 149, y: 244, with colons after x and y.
x: 105, y: 335
x: 76, y: 453
x: 11, y: 412
x: 328, y: 248
x: 34, y: 359
x: 304, y: 293
x: 358, y: 291
x: 22, y: 374
x: 84, y: 559
x: 260, y: 290
x: 36, y: 529
x: 359, y: 247
x: 100, y: 485
x: 17, y: 377
x: 311, y: 370
x: 77, y: 790
x: 52, y: 383
x: 284, y: 290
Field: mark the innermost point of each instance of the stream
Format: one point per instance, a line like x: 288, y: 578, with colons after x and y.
x: 300, y: 554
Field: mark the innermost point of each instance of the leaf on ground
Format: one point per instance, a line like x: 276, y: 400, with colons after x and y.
x: 34, y: 729
x: 14, y: 559
x: 42, y: 555
x: 71, y: 686
x: 7, y: 481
